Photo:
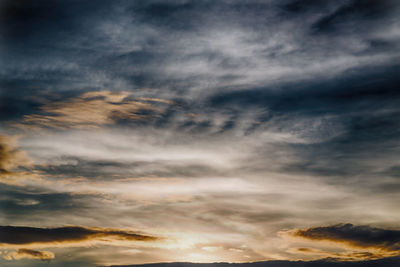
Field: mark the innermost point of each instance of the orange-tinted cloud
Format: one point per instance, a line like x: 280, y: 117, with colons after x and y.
x: 92, y: 110
x: 358, y: 236
x: 10, y: 156
x: 364, y: 242
x: 336, y: 255
x: 11, y: 236
x: 25, y: 253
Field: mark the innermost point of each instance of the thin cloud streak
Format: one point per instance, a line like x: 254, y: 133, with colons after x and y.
x: 18, y: 235
x: 25, y: 253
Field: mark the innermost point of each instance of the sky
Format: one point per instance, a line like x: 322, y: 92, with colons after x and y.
x: 154, y: 131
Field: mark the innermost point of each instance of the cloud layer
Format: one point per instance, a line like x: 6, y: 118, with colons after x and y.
x: 383, y: 242
x: 92, y: 110
x: 360, y: 236
x: 18, y: 235
x: 217, y: 124
x: 25, y: 253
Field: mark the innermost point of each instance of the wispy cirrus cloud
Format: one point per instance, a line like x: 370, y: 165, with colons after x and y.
x: 93, y: 110
x: 25, y: 253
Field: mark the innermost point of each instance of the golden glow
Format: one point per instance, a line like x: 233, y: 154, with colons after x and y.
x: 92, y: 110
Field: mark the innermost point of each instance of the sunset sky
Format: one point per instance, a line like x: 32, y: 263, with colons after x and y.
x: 198, y: 131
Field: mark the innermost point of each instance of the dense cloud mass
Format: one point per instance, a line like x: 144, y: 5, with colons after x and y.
x: 222, y: 126
x: 361, y: 236
x: 28, y: 235
x: 364, y: 237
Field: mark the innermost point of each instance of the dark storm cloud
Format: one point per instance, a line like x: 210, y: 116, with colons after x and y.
x: 18, y: 235
x: 357, y: 236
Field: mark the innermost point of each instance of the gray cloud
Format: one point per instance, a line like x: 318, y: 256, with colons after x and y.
x: 18, y: 235
x: 126, y: 47
x: 40, y: 204
x: 358, y: 236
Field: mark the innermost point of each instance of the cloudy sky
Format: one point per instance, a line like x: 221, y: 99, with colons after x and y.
x: 160, y: 131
